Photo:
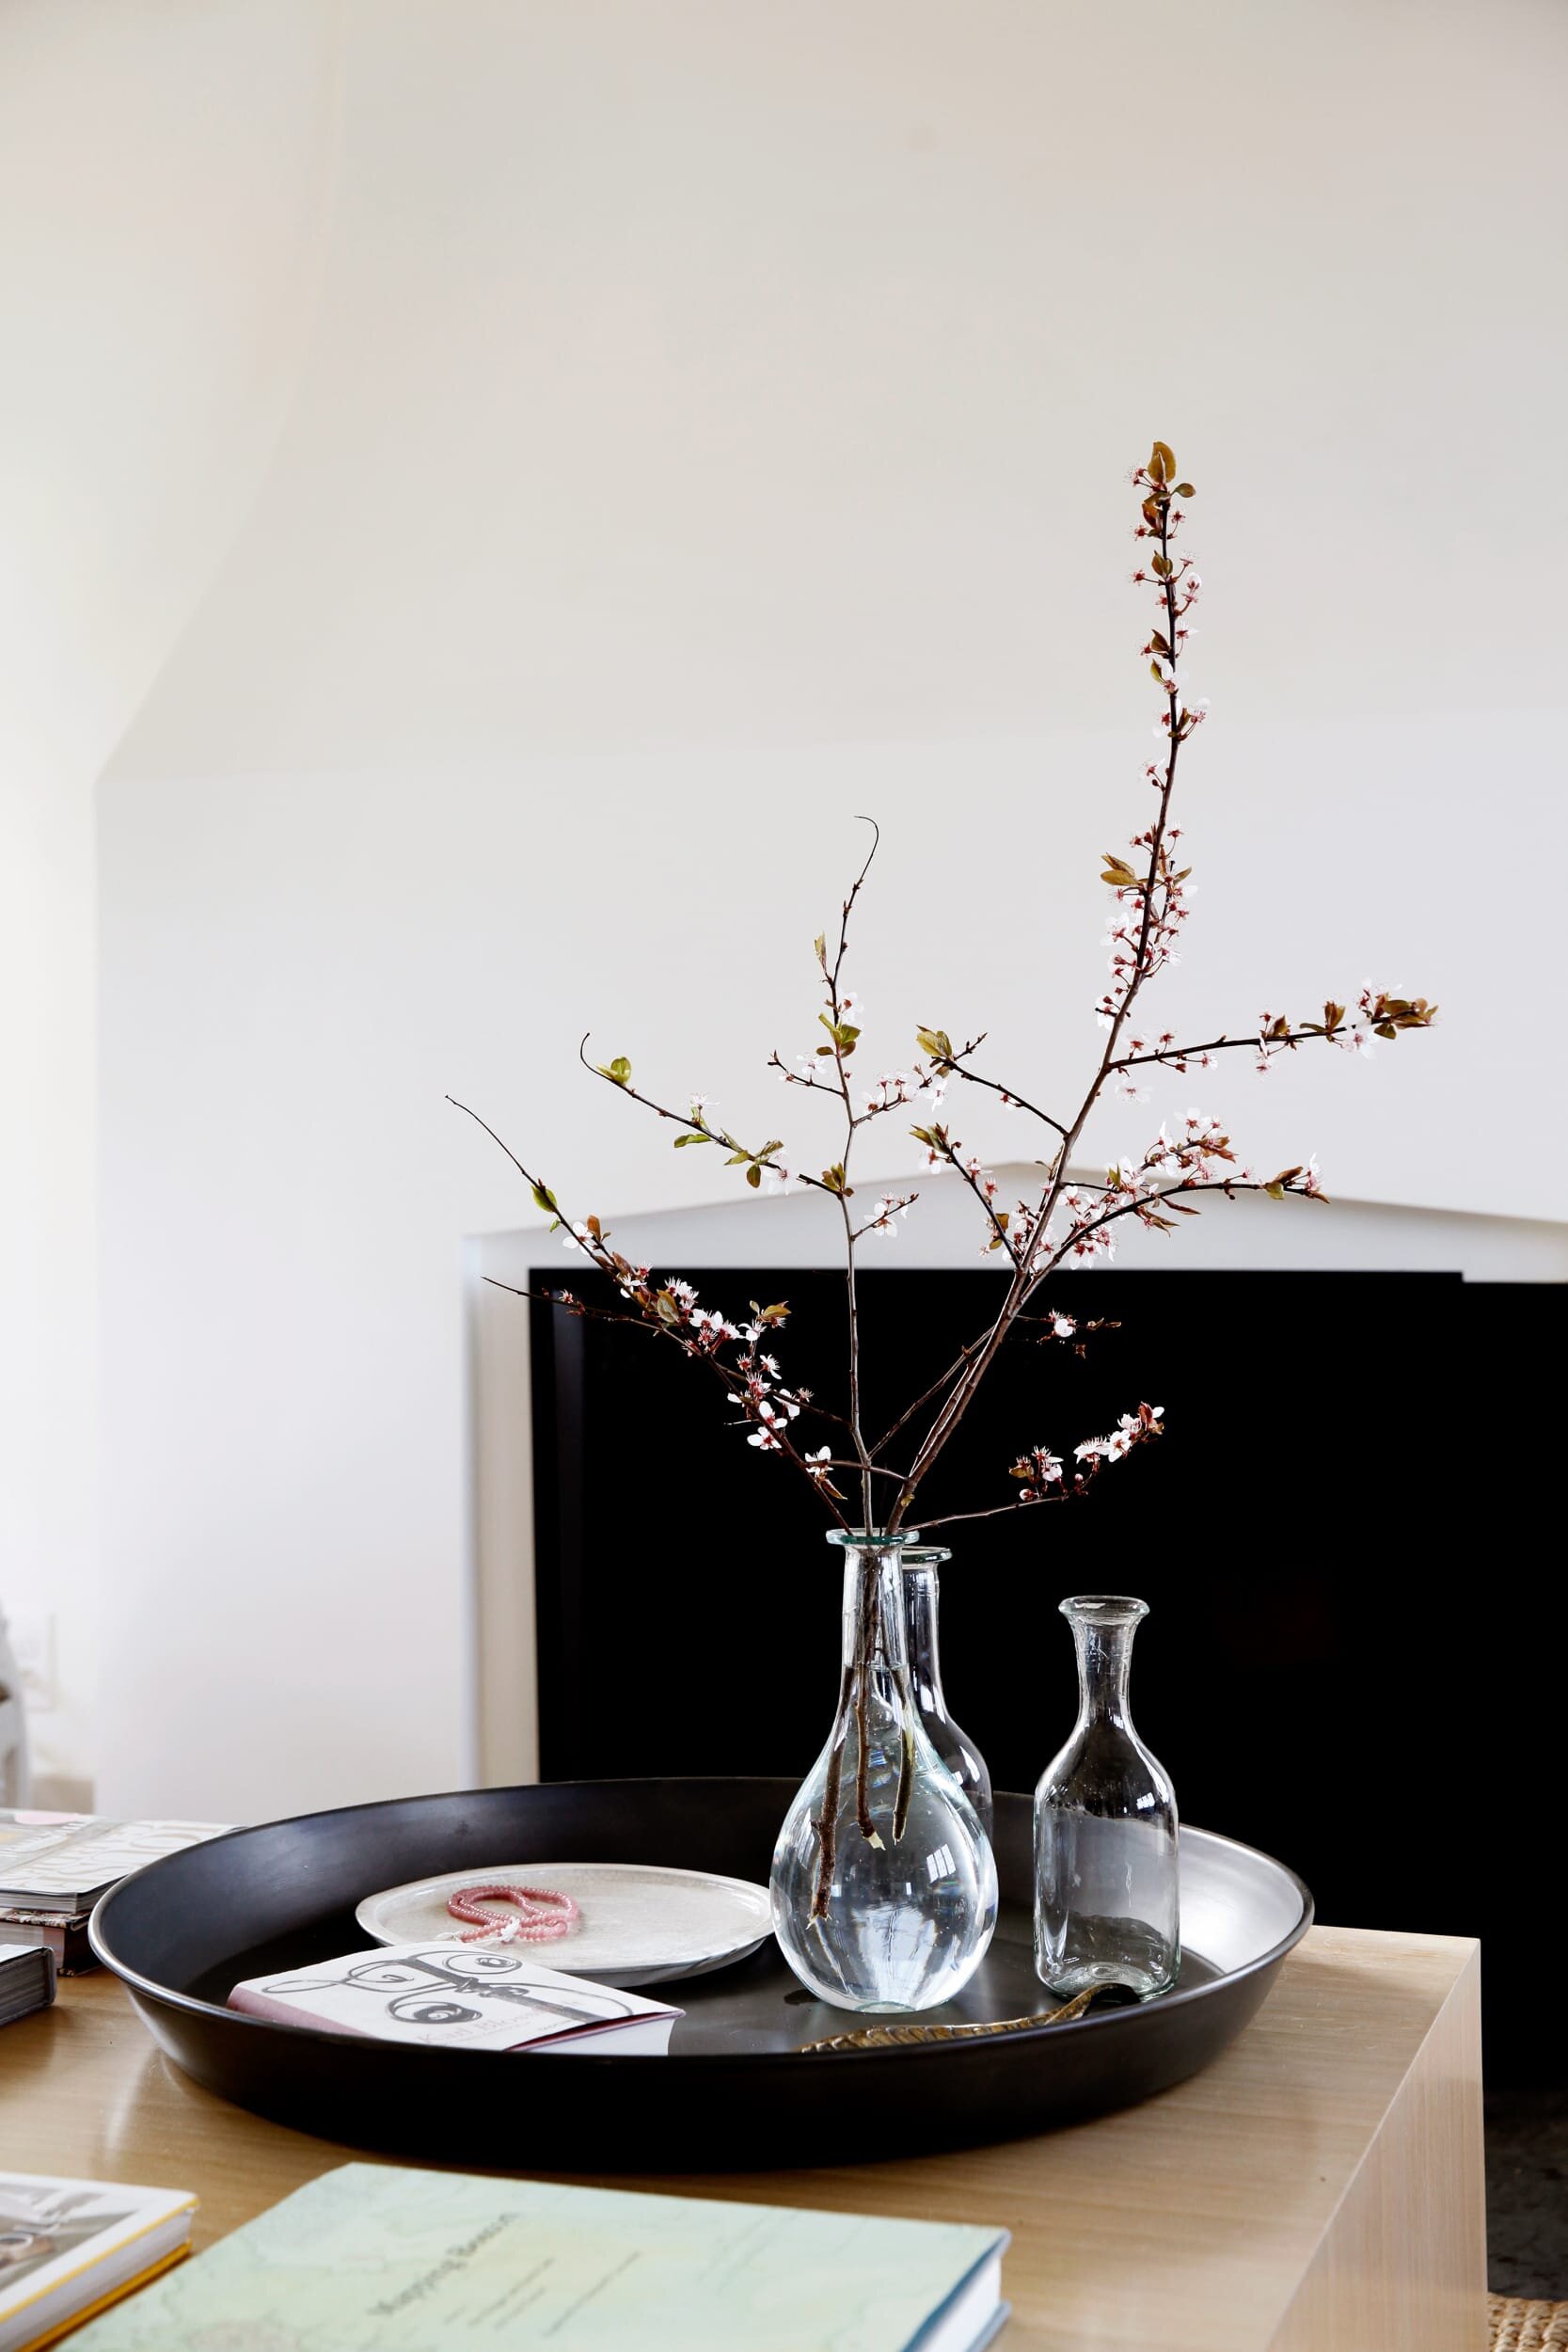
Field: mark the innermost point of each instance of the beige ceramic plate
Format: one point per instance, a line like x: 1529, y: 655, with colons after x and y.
x: 640, y: 1924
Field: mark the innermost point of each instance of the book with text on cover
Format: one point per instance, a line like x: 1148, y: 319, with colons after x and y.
x: 380, y: 2258
x: 460, y: 1997
x: 67, y: 2247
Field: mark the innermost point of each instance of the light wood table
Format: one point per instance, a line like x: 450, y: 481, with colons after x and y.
x: 1319, y: 2189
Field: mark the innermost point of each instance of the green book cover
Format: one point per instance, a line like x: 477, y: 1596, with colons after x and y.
x: 375, y: 2258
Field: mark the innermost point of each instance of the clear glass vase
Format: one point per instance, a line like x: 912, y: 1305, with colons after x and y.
x: 919, y: 1564
x: 883, y: 1882
x: 1105, y: 1830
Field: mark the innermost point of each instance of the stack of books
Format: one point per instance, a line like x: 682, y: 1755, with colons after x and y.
x: 54, y: 1867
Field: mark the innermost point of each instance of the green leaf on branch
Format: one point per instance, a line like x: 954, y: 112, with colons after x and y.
x: 618, y: 1071
x: 545, y: 1199
x: 935, y: 1043
x: 776, y: 1314
x: 1161, y: 566
x: 843, y: 1034
x: 1119, y: 873
x: 1185, y: 490
x: 681, y: 1141
x: 834, y: 1180
x: 754, y: 1175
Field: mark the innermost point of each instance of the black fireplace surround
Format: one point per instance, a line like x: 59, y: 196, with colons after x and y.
x: 1348, y: 1539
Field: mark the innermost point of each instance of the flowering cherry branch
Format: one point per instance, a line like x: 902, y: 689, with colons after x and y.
x: 752, y: 1379
x: 1069, y: 1222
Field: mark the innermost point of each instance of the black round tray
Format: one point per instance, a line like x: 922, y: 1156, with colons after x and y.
x: 734, y: 2093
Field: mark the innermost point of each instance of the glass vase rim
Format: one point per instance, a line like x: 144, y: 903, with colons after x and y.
x: 872, y: 1539
x: 1103, y: 1609
x: 924, y: 1556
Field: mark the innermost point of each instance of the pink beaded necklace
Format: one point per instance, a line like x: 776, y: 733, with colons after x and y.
x: 538, y: 1915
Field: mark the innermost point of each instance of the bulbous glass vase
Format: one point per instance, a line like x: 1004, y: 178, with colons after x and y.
x: 919, y: 1565
x: 883, y: 1881
x: 1105, y: 1829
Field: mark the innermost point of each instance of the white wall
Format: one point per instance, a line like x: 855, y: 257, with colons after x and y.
x: 162, y: 168
x: 716, y: 425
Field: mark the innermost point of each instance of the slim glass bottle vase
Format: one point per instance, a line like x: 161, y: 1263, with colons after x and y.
x: 1105, y: 1830
x: 919, y: 1565
x: 883, y: 1883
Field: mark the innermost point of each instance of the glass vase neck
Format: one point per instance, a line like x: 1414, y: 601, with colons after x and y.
x: 1103, y: 1625
x: 875, y: 1648
x: 917, y: 1571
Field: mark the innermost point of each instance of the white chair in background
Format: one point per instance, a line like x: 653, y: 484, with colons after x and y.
x: 15, y: 1770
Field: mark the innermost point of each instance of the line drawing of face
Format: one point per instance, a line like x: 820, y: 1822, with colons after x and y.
x: 427, y: 1988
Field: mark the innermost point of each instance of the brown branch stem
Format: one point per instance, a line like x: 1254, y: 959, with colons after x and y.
x: 1020, y: 1287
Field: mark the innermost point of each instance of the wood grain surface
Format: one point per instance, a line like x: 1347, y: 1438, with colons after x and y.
x: 1319, y: 2189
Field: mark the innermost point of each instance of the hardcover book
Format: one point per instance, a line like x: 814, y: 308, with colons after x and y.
x: 26, y: 1979
x: 62, y: 1934
x: 465, y: 1996
x: 67, y: 2248
x: 63, y: 1862
x: 375, y: 2258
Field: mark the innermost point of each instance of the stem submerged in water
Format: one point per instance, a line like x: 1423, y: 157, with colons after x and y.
x: 865, y: 1651
x: 826, y: 1822
x: 868, y: 1644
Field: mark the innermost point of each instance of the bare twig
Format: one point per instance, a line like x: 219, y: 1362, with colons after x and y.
x: 1010, y: 1094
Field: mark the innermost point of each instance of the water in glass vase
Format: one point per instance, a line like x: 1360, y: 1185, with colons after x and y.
x: 1106, y: 1828
x: 883, y: 1882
